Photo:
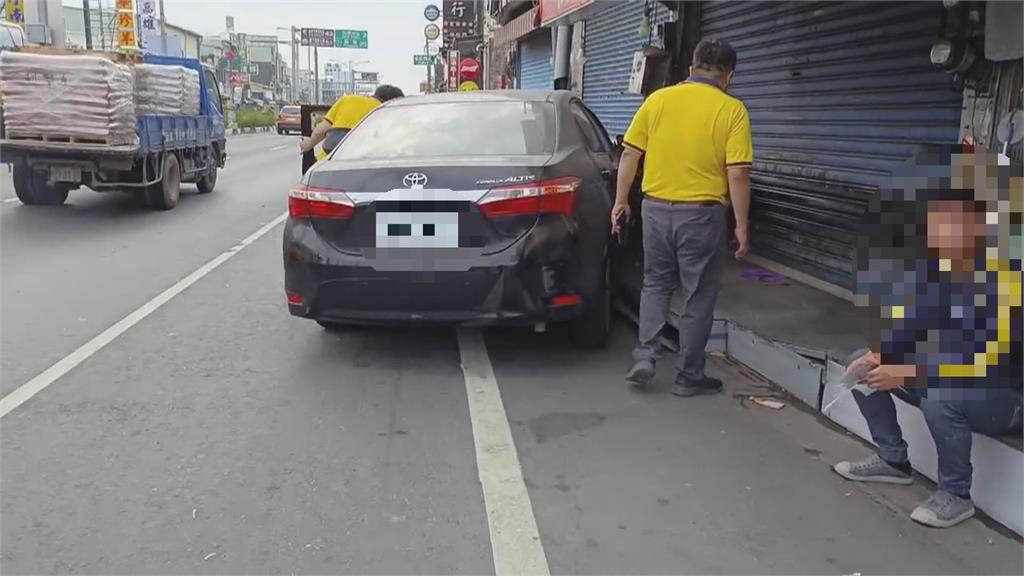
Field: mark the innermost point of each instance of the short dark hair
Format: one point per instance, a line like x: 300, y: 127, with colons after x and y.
x: 387, y: 92
x: 714, y: 56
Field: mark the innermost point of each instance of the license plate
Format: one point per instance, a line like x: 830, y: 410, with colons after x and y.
x: 417, y: 230
x: 66, y: 174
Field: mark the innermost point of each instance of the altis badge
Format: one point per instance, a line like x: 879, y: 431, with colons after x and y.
x: 509, y: 180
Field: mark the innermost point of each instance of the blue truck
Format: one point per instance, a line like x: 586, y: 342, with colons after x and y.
x: 171, y: 150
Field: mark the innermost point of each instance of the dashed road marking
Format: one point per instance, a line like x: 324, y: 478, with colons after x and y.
x: 515, y: 541
x: 26, y: 391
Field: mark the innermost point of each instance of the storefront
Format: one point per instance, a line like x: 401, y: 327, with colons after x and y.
x: 838, y: 93
x: 535, y: 66
x: 611, y: 37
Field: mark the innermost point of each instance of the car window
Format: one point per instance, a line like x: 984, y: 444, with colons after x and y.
x: 443, y: 129
x: 594, y: 135
x: 290, y: 110
x: 213, y: 91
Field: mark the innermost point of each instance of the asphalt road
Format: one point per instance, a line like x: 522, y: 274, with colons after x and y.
x: 216, y: 434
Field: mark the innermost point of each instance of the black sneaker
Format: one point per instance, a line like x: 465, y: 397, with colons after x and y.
x: 687, y: 388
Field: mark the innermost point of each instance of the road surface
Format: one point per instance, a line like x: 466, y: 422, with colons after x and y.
x: 163, y: 414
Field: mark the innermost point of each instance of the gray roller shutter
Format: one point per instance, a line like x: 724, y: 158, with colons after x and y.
x: 838, y: 94
x: 536, y: 71
x: 611, y: 38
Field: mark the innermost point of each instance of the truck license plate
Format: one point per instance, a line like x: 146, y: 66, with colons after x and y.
x: 66, y: 174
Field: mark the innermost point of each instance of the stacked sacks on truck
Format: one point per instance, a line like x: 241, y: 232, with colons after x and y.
x: 84, y: 98
x: 163, y: 90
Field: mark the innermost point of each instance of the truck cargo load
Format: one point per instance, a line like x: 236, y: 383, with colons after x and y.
x: 73, y: 98
x: 162, y: 90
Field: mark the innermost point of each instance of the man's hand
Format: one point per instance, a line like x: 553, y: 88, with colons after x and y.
x: 869, y: 360
x: 618, y: 210
x: 304, y: 145
x: 888, y: 377
x: 743, y: 239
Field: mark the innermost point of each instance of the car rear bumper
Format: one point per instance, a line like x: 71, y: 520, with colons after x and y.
x: 296, y: 126
x: 505, y: 288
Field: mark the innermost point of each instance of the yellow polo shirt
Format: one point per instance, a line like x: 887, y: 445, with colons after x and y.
x: 690, y: 133
x: 349, y: 110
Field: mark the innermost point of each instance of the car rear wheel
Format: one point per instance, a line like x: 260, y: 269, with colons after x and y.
x: 592, y: 328
x: 32, y: 188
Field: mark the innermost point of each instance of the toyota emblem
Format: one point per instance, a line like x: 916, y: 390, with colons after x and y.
x: 415, y: 180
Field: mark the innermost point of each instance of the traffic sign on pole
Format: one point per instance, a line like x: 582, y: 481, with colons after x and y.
x: 431, y: 12
x: 431, y: 32
x: 351, y: 39
x: 422, y: 59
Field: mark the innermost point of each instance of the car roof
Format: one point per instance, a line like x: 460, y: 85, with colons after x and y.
x: 554, y: 96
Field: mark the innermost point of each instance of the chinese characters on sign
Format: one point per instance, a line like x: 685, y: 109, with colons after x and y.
x: 15, y: 11
x: 460, y: 21
x: 453, y: 70
x: 351, y: 39
x: 126, y: 38
x: 316, y: 37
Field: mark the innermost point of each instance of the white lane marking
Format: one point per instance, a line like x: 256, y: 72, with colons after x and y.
x: 39, y: 383
x: 280, y: 147
x: 515, y: 541
x: 10, y: 200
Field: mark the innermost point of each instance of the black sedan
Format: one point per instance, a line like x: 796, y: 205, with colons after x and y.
x: 467, y: 208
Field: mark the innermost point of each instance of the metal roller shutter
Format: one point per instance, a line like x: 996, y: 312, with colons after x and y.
x: 536, y: 71
x: 611, y: 38
x: 838, y: 93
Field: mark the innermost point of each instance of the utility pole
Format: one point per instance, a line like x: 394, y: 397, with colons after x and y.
x: 296, y: 40
x: 316, y: 73
x: 87, y: 22
x: 163, y: 30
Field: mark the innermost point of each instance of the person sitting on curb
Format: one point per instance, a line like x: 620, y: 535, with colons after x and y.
x: 953, y: 344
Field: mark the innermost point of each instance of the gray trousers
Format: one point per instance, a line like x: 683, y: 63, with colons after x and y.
x: 684, y: 246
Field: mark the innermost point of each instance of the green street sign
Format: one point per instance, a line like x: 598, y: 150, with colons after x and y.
x: 350, y: 39
x: 421, y: 59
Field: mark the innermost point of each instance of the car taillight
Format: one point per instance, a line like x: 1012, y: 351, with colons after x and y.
x: 556, y: 196
x: 310, y: 202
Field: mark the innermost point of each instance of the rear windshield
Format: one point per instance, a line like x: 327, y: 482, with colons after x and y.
x: 290, y: 110
x: 446, y: 129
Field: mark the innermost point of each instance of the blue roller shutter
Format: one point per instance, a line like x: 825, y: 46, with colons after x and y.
x: 611, y: 38
x: 536, y: 71
x: 838, y: 93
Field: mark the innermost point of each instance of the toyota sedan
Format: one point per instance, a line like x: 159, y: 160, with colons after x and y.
x: 463, y: 208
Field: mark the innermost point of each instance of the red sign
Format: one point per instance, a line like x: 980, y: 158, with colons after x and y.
x: 230, y: 55
x: 238, y: 79
x: 469, y: 68
x: 551, y: 10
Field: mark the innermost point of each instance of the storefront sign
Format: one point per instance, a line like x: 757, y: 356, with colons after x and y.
x: 460, y: 20
x: 125, y: 18
x: 551, y: 10
x: 453, y: 70
x: 16, y: 11
x: 468, y: 86
x: 469, y: 68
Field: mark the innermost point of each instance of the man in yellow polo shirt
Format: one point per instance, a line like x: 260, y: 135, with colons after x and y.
x: 343, y: 116
x: 697, y: 147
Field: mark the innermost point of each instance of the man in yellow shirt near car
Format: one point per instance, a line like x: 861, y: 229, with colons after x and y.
x: 343, y: 116
x: 696, y: 142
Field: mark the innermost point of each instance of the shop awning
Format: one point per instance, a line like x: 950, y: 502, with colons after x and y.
x: 518, y: 27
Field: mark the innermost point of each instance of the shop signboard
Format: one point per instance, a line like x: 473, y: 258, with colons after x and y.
x: 551, y: 10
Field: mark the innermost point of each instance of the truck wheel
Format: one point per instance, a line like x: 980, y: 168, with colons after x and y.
x: 209, y: 180
x: 164, y: 194
x: 32, y: 188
